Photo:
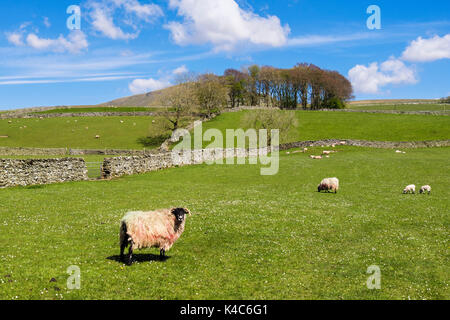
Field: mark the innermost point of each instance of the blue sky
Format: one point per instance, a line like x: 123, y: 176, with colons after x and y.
x: 126, y: 47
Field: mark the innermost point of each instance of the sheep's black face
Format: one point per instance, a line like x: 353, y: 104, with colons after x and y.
x: 179, y: 214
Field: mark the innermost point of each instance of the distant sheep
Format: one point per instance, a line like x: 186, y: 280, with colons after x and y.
x: 329, y: 184
x: 158, y: 229
x: 425, y: 189
x: 315, y: 157
x: 409, y: 189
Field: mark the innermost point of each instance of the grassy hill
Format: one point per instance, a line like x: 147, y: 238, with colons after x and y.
x: 250, y: 236
x: 317, y: 125
x: 139, y: 100
x: 72, y: 133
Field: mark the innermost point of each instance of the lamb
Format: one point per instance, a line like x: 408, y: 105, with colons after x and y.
x: 424, y: 189
x: 158, y: 229
x: 410, y: 189
x: 328, y: 184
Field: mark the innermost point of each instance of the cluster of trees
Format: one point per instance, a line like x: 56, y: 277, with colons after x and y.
x: 205, y: 95
x: 304, y: 85
x: 445, y: 100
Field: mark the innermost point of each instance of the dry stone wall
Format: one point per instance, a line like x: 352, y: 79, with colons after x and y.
x: 14, y: 172
x: 119, y: 166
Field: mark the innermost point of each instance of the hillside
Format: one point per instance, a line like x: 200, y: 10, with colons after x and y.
x: 139, y: 100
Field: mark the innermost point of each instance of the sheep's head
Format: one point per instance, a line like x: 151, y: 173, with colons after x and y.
x: 179, y: 213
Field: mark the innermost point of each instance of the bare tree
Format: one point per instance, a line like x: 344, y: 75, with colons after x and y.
x: 210, y: 94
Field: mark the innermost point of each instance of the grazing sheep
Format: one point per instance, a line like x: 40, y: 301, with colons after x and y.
x: 328, y: 184
x: 158, y: 229
x: 424, y: 189
x: 315, y: 157
x: 97, y: 136
x: 410, y: 189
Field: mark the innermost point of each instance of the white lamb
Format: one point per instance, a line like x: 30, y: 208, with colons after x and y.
x: 425, y: 189
x: 410, y: 189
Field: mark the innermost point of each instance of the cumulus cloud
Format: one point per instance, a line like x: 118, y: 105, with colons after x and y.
x: 224, y: 24
x: 15, y: 38
x: 74, y: 43
x: 180, y: 70
x: 425, y: 50
x: 139, y: 86
x: 102, y: 15
x: 371, y: 78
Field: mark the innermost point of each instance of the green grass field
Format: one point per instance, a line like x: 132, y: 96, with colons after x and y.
x: 250, y: 237
x: 317, y: 125
x: 101, y: 109
x: 72, y: 132
x: 402, y: 107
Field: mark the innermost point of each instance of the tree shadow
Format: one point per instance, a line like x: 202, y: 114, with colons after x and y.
x: 140, y: 258
x: 152, y: 141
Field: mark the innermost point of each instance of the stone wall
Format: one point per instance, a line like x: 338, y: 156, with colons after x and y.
x: 14, y: 172
x: 10, y: 115
x: 12, y: 151
x: 368, y: 144
x: 119, y: 166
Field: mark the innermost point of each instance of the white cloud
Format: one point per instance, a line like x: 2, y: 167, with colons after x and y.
x: 423, y: 50
x: 103, y: 22
x: 47, y: 22
x: 102, y: 16
x: 74, y: 43
x: 180, y: 70
x: 15, y: 38
x: 139, y: 86
x: 142, y: 11
x: 371, y: 78
x: 225, y: 25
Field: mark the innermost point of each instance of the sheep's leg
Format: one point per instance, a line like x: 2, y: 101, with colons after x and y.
x: 130, y: 253
x: 122, y: 249
x: 162, y: 253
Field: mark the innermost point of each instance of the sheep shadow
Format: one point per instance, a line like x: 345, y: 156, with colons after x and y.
x: 140, y: 258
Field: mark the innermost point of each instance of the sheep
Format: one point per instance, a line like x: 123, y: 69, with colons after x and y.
x: 409, y: 189
x: 328, y: 184
x: 315, y: 157
x: 158, y: 229
x: 424, y: 189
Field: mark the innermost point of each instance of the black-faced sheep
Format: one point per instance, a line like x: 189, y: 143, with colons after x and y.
x: 410, y: 189
x: 328, y: 184
x: 425, y: 189
x: 158, y: 229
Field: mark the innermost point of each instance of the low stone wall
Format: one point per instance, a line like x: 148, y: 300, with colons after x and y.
x: 430, y: 113
x: 368, y: 144
x: 13, y: 115
x: 10, y: 151
x: 14, y: 172
x: 119, y: 166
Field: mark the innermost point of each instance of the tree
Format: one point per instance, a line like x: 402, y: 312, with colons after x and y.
x: 211, y: 95
x: 270, y: 119
x: 235, y: 81
x: 179, y: 101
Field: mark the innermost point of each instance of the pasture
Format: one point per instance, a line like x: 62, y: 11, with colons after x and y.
x: 71, y: 132
x: 318, y: 125
x: 250, y: 237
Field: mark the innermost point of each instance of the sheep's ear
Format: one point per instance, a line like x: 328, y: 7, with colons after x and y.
x: 187, y: 211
